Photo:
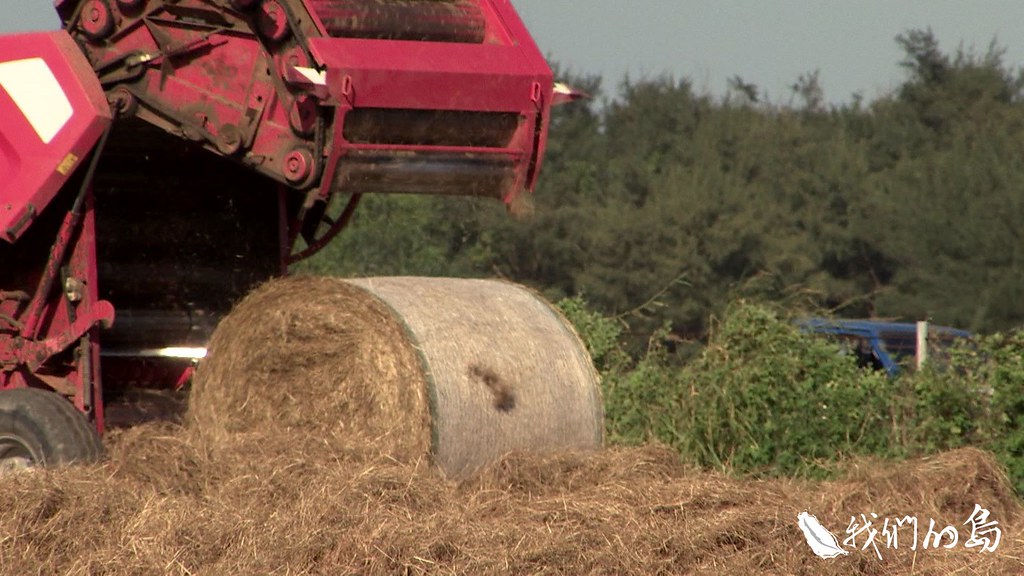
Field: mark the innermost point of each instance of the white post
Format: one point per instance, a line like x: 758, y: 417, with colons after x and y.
x: 922, y: 344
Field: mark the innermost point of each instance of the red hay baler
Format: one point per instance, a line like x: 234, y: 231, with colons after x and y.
x: 159, y: 158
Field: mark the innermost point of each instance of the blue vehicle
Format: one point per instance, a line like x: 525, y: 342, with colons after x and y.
x: 880, y: 345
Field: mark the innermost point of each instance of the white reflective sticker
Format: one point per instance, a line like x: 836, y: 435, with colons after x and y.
x: 562, y: 88
x: 36, y: 91
x: 313, y: 75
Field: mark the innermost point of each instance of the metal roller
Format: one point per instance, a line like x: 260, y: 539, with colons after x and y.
x: 460, y: 21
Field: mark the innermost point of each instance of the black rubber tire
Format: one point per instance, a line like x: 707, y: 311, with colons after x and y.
x: 42, y: 428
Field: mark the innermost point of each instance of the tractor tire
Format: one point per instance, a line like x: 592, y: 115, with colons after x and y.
x: 41, y: 428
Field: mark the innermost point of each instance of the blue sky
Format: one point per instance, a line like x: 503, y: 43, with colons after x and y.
x: 767, y: 42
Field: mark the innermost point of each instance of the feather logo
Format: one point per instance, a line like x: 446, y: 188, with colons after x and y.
x: 822, y: 542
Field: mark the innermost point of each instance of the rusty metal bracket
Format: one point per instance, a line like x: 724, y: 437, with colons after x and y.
x: 35, y: 354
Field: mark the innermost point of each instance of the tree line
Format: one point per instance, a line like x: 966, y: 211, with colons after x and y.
x: 660, y: 204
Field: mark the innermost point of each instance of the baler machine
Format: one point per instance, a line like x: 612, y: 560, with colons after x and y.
x: 161, y: 157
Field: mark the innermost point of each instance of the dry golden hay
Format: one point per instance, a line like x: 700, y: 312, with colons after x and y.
x: 462, y: 370
x: 620, y: 511
x: 314, y: 360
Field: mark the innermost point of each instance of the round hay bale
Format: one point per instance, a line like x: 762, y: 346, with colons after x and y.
x: 317, y: 360
x: 463, y: 370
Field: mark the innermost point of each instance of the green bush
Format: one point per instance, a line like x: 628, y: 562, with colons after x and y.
x: 994, y: 367
x: 765, y: 398
x: 601, y: 335
x: 948, y: 410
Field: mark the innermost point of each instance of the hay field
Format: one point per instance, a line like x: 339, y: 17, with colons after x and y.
x: 164, y: 504
x: 276, y: 468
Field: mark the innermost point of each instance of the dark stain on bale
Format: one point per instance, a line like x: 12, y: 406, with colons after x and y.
x: 504, y: 393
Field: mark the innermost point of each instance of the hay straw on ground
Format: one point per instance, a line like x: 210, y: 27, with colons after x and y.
x: 465, y: 370
x: 163, y: 505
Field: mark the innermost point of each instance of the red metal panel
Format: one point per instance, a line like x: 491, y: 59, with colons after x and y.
x: 52, y: 112
x: 497, y: 75
x: 505, y: 73
x: 436, y: 76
